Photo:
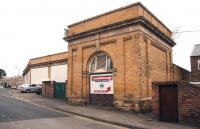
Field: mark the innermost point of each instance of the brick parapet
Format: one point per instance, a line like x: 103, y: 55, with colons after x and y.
x: 118, y: 15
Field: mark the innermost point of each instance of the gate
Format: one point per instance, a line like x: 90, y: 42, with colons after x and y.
x: 169, y: 103
x: 101, y: 100
x: 60, y: 90
x: 101, y: 89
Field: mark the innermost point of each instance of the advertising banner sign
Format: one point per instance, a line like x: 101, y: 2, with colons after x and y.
x: 101, y: 84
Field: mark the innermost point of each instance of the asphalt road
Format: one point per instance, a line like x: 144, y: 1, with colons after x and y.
x: 17, y: 114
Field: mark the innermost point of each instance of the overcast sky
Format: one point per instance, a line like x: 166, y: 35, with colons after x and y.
x: 33, y: 28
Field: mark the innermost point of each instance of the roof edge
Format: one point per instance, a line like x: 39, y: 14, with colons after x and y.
x: 138, y: 20
x: 196, y: 51
x: 181, y: 67
x: 29, y: 62
x: 118, y: 9
x: 48, y: 55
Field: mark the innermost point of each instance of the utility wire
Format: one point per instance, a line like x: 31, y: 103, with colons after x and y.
x: 188, y: 31
x: 176, y: 33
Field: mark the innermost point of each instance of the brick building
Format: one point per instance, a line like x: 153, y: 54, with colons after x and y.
x: 179, y: 101
x: 195, y: 63
x: 46, y: 68
x: 180, y: 73
x: 12, y: 81
x: 176, y: 101
x: 113, y: 58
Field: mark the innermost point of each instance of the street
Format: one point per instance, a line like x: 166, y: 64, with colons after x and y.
x: 18, y: 114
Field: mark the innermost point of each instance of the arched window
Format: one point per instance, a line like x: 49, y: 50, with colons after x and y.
x: 101, y: 63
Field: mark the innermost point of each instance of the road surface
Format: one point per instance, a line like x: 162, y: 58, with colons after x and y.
x: 18, y: 114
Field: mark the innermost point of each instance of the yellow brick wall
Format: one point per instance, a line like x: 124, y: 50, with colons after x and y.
x: 115, y: 16
x: 44, y: 59
x: 177, y: 74
x: 136, y: 58
x: 139, y: 55
x: 180, y: 73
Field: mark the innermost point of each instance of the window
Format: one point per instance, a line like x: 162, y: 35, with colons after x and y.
x: 198, y: 64
x: 101, y: 63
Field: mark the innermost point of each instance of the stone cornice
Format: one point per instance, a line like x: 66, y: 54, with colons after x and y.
x: 132, y: 22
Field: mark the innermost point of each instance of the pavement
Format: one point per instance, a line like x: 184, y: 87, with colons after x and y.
x: 125, y: 119
x: 20, y: 112
x: 14, y: 110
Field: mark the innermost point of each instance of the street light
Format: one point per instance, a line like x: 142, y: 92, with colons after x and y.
x: 17, y: 70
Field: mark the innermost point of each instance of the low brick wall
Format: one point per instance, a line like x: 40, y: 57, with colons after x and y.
x: 188, y: 101
x: 75, y: 101
x: 140, y: 105
x: 48, y: 88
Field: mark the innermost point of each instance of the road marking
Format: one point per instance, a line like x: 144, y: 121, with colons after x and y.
x: 11, y: 96
x: 10, y: 119
x: 14, y: 97
x: 2, y: 115
x: 7, y: 96
x: 5, y: 117
x: 69, y: 114
x: 21, y: 98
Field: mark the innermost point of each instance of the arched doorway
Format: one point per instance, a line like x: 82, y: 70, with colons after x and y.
x: 101, y: 80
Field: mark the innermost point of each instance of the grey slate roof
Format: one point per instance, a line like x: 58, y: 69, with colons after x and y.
x: 196, y: 50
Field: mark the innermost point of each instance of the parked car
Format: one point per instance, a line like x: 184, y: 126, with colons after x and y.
x: 29, y: 88
x: 38, y: 89
x: 20, y: 87
x: 14, y: 87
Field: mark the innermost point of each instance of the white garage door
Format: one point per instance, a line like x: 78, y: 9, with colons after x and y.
x: 27, y: 78
x: 38, y: 75
x: 59, y: 73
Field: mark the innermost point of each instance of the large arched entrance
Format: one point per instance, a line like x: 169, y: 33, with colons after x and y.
x: 101, y: 80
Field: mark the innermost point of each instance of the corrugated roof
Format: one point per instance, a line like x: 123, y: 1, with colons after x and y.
x: 196, y: 50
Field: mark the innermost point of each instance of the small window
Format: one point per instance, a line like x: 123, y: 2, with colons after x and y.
x: 101, y: 62
x: 198, y: 64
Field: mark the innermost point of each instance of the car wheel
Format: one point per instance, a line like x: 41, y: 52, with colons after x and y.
x: 27, y: 91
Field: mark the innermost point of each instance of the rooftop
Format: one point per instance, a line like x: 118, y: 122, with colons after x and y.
x: 58, y: 57
x: 196, y: 50
x: 125, y: 13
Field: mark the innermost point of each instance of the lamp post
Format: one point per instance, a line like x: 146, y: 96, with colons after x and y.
x: 17, y: 68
